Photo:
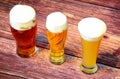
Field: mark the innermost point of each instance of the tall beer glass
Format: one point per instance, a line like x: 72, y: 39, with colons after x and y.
x: 23, y: 27
x: 56, y: 25
x: 91, y: 31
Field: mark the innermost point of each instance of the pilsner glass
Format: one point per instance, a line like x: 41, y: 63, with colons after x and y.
x: 56, y: 25
x: 23, y: 27
x: 91, y: 31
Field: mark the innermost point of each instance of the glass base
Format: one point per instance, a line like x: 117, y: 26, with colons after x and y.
x: 89, y: 70
x: 58, y: 58
x: 27, y: 55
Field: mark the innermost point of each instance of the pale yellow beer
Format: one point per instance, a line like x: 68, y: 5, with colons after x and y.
x: 23, y: 27
x: 56, y: 25
x: 91, y: 31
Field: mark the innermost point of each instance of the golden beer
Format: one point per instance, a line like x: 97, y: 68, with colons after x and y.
x: 23, y: 27
x: 56, y: 34
x: 89, y: 59
x: 91, y: 31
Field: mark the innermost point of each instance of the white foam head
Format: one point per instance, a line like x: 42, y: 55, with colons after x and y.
x: 91, y: 28
x: 22, y: 17
x: 56, y: 22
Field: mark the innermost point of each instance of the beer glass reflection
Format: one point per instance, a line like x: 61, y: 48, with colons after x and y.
x: 56, y: 25
x: 91, y: 31
x: 23, y: 27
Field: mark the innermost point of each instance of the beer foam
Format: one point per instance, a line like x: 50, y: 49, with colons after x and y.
x: 56, y: 22
x: 91, y: 28
x: 22, y: 17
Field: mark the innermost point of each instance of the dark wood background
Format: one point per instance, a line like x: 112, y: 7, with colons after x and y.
x: 39, y: 67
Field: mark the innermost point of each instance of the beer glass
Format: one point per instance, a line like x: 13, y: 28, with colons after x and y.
x: 56, y: 24
x: 91, y: 30
x: 23, y: 27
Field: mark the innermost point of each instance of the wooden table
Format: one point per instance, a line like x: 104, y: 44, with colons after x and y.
x: 38, y: 67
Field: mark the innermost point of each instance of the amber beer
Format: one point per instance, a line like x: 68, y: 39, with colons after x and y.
x: 23, y: 27
x: 56, y: 25
x: 91, y: 31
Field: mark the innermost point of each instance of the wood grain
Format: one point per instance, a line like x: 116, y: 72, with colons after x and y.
x: 9, y: 76
x: 106, y: 3
x: 109, y: 53
x: 38, y: 67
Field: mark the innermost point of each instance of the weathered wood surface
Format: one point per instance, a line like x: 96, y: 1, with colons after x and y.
x: 109, y: 53
x: 39, y: 67
x: 14, y: 67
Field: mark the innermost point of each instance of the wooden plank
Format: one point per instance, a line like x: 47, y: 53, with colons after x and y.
x: 8, y: 76
x: 39, y: 67
x: 75, y: 11
x: 108, y: 3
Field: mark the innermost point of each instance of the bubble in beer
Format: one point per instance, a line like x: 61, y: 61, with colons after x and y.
x: 56, y: 22
x: 22, y: 17
x: 91, y: 28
